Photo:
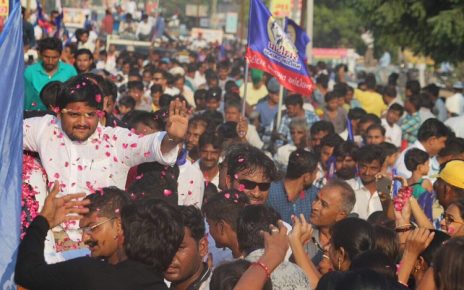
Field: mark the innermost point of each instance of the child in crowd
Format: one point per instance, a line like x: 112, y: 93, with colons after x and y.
x: 125, y: 105
x: 392, y: 153
x: 417, y: 161
x: 393, y: 133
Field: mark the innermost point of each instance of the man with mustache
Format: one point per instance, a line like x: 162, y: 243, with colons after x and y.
x: 345, y: 164
x: 85, y: 156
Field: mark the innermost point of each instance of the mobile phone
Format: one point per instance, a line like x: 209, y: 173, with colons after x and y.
x: 384, y: 185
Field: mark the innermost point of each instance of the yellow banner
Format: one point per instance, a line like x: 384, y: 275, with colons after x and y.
x: 281, y: 8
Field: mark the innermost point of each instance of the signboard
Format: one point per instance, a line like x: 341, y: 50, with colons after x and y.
x: 210, y: 35
x: 74, y: 17
x: 193, y: 10
x: 281, y: 8
x: 231, y: 22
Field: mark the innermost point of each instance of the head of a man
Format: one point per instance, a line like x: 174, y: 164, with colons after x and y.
x: 101, y: 226
x: 328, y: 144
x: 252, y: 220
x: 345, y: 165
x: 433, y: 135
x: 50, y: 52
x: 394, y: 113
x: 84, y: 60
x: 159, y: 78
x: 370, y: 159
x: 294, y: 104
x: 135, y: 90
x: 251, y: 171
x: 375, y: 134
x: 213, y: 99
x: 197, y: 126
x: 333, y: 202
x: 302, y: 165
x: 319, y: 130
x: 365, y: 122
x: 355, y: 115
x: 80, y: 103
x: 454, y: 149
x: 299, y: 132
x: 413, y: 87
x: 187, y: 265
x: 153, y: 232
x: 145, y: 123
x: 210, y: 146
x: 232, y: 111
x: 110, y: 95
x: 222, y: 211
x: 449, y: 185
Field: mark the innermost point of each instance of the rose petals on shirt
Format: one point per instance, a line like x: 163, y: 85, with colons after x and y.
x: 167, y: 192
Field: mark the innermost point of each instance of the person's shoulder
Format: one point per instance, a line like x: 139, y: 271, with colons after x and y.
x: 67, y: 67
x: 32, y: 69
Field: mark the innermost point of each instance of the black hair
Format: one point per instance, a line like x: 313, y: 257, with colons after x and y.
x: 344, y: 149
x: 388, y: 148
x: 432, y: 128
x: 390, y: 91
x: 109, y: 88
x: 210, y: 191
x: 294, y: 99
x: 322, y: 125
x: 227, y: 275
x: 226, y: 206
x: 228, y: 131
x: 50, y: 43
x: 301, y: 162
x: 165, y: 100
x: 81, y: 88
x: 413, y: 86
x: 330, y: 96
x: 370, y: 81
x: 323, y: 80
x: 137, y: 85
x: 438, y: 240
x: 157, y: 182
x: 107, y: 202
x: 153, y: 231
x: 356, y: 113
x: 427, y: 100
x: 415, y: 100
x: 377, y: 261
x: 127, y: 101
x: 211, y: 75
x: 193, y: 220
x: 331, y: 140
x: 83, y: 51
x: 252, y: 220
x: 229, y: 85
x: 250, y: 159
x: 233, y: 103
x: 354, y: 235
x: 340, y: 90
x: 386, y: 240
x: 448, y: 265
x: 376, y: 127
x: 213, y: 94
x: 372, y: 118
x: 454, y: 146
x: 232, y: 97
x: 50, y: 92
x: 79, y: 32
x: 330, y: 280
x: 370, y: 153
x: 156, y: 89
x: 397, y: 108
x: 211, y: 138
x: 432, y: 89
x: 200, y: 94
x: 364, y: 279
x: 381, y: 219
x: 151, y: 120
x: 415, y: 157
x: 214, y: 118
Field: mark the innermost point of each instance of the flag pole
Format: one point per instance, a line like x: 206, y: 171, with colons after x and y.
x: 245, y: 87
x: 279, y: 107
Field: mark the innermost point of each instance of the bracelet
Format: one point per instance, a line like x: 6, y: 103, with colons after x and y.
x: 264, y: 267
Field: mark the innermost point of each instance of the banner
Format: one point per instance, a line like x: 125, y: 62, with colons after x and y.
x: 271, y: 50
x: 298, y: 36
x: 11, y: 143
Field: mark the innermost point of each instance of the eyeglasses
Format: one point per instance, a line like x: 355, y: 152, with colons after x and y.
x: 91, y: 229
x: 75, y: 115
x: 249, y: 185
x: 450, y: 219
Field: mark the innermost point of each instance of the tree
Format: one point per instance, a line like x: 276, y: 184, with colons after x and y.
x: 432, y: 28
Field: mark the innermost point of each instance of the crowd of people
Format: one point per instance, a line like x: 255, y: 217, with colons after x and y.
x: 146, y: 170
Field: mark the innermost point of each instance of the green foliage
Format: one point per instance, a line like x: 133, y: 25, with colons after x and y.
x: 433, y: 28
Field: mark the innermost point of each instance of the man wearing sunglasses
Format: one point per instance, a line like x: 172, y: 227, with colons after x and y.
x: 251, y: 171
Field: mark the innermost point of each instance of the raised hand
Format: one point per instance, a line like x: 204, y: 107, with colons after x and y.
x: 301, y: 232
x: 177, y: 123
x: 419, y: 240
x: 60, y: 209
x: 275, y: 245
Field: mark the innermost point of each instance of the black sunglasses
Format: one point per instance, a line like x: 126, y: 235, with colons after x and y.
x: 249, y: 185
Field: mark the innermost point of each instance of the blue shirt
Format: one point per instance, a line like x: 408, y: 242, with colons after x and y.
x: 278, y: 200
x: 35, y: 78
x: 266, y: 113
x: 284, y: 128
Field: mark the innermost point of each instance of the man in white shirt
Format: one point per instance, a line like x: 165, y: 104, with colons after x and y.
x: 393, y: 133
x: 160, y: 78
x: 82, y: 155
x: 210, y: 146
x: 431, y: 138
x: 457, y: 125
x: 232, y: 114
x: 370, y: 159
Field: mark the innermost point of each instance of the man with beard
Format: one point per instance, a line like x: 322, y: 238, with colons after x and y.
x: 50, y: 68
x: 210, y: 146
x: 293, y: 194
x: 370, y: 159
x: 196, y: 127
x: 345, y: 165
x: 187, y: 269
x: 84, y: 61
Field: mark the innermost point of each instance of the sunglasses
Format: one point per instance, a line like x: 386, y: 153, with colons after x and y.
x: 249, y: 185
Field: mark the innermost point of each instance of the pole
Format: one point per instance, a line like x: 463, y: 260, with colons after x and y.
x: 242, y: 21
x: 309, y: 29
x: 279, y: 108
x: 198, y: 13
x: 245, y: 83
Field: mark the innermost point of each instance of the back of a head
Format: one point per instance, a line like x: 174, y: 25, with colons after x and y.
x: 432, y: 128
x: 386, y: 240
x: 227, y: 275
x: 437, y: 242
x: 413, y: 86
x: 356, y: 113
x: 330, y: 280
x: 390, y: 91
x: 415, y: 157
x: 81, y: 88
x: 107, y: 201
x: 448, y: 265
x: 252, y: 220
x: 370, y: 118
x: 454, y: 146
x: 153, y: 232
x: 354, y: 235
x: 193, y: 220
x: 155, y: 181
x: 323, y: 80
x: 301, y: 162
x: 50, y: 92
x: 363, y: 279
x: 155, y: 122
x: 226, y: 206
x: 415, y: 100
x: 370, y: 81
x: 377, y: 261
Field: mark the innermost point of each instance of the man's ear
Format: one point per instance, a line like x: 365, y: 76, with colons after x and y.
x: 203, y: 246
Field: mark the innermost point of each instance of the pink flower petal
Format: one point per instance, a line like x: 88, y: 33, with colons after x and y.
x: 167, y: 192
